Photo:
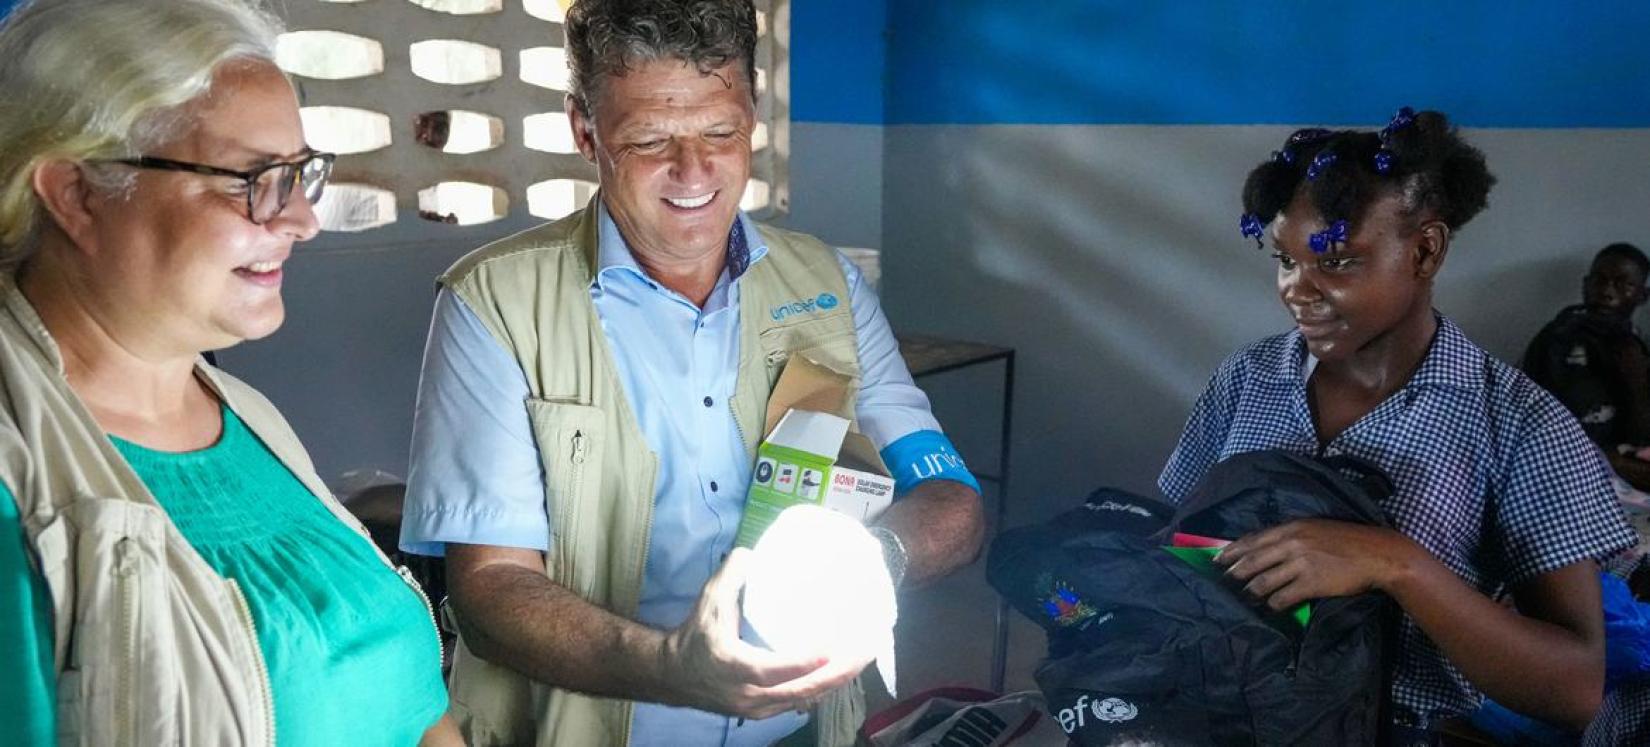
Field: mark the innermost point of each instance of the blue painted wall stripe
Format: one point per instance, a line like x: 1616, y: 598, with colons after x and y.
x: 1489, y: 64
x: 839, y: 60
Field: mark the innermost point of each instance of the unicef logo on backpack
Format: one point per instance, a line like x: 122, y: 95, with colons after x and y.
x: 1115, y: 710
x: 1110, y: 710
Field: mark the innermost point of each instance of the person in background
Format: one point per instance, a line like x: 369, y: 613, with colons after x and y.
x: 1594, y: 361
x: 431, y: 130
x: 592, y: 397
x: 1496, y: 490
x: 172, y: 570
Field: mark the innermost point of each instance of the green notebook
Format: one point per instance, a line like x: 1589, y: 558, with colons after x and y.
x: 1203, y: 559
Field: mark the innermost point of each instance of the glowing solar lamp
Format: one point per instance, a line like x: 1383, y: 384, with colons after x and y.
x: 818, y: 586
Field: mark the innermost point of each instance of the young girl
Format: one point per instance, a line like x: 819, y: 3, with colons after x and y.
x: 1496, y: 488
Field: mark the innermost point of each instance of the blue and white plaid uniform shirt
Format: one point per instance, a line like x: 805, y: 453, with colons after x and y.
x: 1490, y: 474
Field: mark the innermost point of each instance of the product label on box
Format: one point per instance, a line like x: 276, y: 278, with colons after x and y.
x: 784, y: 477
x: 798, y: 464
x: 861, y: 495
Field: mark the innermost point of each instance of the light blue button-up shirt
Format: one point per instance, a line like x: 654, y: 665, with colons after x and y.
x: 476, y: 476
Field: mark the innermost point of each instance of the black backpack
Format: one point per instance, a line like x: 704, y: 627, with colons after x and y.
x: 1144, y: 646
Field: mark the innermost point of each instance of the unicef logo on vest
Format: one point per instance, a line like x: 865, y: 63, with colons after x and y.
x: 821, y: 302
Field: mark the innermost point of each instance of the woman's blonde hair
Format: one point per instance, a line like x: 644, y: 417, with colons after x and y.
x: 98, y: 79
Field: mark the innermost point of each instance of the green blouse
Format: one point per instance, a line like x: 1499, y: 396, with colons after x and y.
x: 351, y: 649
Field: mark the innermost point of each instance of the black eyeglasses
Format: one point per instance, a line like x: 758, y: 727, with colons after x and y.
x: 268, y: 188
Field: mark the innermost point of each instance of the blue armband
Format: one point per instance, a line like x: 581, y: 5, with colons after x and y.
x: 925, y: 455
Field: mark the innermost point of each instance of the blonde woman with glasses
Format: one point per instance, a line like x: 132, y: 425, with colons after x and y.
x: 172, y: 571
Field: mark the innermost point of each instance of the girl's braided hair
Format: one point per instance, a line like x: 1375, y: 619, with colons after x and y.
x: 1420, y: 157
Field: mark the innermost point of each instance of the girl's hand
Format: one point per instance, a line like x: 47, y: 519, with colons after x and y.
x: 1317, y: 558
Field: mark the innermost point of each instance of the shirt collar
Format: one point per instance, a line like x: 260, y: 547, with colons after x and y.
x: 745, y: 247
x: 1451, y: 360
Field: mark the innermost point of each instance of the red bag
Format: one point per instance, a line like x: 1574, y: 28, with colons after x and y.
x: 965, y: 716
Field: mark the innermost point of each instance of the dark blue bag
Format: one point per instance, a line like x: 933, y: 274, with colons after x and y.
x: 1143, y: 646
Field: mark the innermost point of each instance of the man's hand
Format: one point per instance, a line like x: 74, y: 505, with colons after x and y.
x: 511, y: 614
x: 711, y: 669
x: 444, y: 733
x: 1316, y: 558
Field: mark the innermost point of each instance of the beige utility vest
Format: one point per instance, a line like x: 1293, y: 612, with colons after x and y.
x: 532, y: 292
x: 152, y: 646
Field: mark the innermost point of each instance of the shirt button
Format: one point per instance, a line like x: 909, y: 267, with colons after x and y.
x: 709, y: 401
x: 712, y: 486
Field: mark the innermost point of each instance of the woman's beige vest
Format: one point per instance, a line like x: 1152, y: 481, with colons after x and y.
x: 532, y: 291
x: 152, y: 646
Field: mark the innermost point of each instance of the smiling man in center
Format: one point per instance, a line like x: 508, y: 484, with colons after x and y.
x: 592, y: 397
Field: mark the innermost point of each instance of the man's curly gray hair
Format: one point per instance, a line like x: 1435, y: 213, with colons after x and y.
x: 611, y: 37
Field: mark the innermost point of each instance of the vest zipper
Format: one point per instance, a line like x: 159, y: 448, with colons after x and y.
x: 739, y: 429
x: 641, y: 550
x: 566, y: 561
x: 258, y: 658
x: 406, y: 575
x: 579, y: 447
x: 575, y: 479
x: 126, y: 570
